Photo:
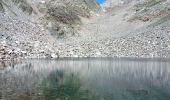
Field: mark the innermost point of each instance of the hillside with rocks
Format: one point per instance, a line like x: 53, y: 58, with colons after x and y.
x: 30, y: 28
x: 81, y: 28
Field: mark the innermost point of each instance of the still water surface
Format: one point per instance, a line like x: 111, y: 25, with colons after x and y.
x: 87, y: 79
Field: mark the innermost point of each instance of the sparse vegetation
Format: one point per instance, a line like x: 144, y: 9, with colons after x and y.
x: 67, y: 14
x: 64, y: 14
x: 24, y: 5
x: 149, y: 10
x: 1, y: 6
x: 161, y: 20
x: 151, y: 3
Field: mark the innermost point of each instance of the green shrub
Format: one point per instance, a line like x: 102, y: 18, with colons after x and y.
x: 63, y: 15
x: 151, y: 3
x: 24, y: 5
x: 1, y: 6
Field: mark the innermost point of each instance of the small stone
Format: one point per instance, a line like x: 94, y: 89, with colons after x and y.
x: 53, y: 55
x: 98, y: 53
x: 24, y: 52
x: 17, y: 42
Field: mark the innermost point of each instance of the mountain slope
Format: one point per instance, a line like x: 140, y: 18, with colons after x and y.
x: 63, y: 28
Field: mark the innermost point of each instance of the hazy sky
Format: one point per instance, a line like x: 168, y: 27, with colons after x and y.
x: 100, y: 1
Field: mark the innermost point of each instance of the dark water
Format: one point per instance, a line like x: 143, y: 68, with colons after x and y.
x: 87, y: 79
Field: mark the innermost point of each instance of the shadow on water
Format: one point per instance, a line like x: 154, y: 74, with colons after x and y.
x: 87, y: 79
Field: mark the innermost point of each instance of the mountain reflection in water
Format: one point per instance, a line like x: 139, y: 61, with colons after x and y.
x: 87, y: 79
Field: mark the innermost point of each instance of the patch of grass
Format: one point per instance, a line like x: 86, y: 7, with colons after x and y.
x: 161, y: 20
x: 4, y: 5
x: 146, y: 5
x: 66, y: 15
x: 24, y: 5
x: 63, y: 15
x: 69, y: 12
x: 1, y: 6
x: 151, y: 3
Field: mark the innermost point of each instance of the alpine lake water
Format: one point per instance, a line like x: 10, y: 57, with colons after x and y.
x: 86, y: 79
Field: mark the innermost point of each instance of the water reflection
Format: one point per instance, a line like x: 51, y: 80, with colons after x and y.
x: 87, y: 79
x: 60, y: 86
